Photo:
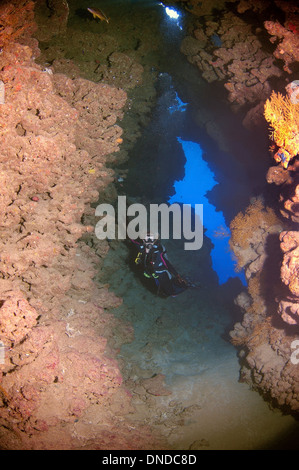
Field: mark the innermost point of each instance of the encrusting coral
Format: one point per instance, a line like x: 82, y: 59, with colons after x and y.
x: 61, y: 386
x: 269, y: 255
x: 16, y: 19
x: 228, y: 49
x: 250, y: 229
x: 264, y: 349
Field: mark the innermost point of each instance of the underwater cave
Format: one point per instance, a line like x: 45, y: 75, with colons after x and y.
x: 161, y: 103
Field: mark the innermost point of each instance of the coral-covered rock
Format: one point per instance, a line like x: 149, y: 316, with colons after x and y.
x: 265, y: 354
x: 290, y: 202
x: 265, y: 349
x: 288, y: 45
x: 17, y: 318
x: 226, y: 49
x: 289, y: 311
x: 61, y: 385
x: 277, y: 175
x: 121, y: 71
x: 288, y: 307
x: 155, y: 385
x: 55, y: 16
x: 290, y: 264
x: 249, y: 234
x: 17, y: 21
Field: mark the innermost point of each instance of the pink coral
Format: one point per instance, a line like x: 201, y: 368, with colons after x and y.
x: 61, y: 386
x: 17, y: 318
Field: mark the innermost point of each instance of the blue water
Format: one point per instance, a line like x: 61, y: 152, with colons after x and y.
x: 193, y: 189
x: 216, y: 40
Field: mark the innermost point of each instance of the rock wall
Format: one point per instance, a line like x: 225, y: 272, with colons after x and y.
x: 269, y: 331
x: 228, y: 49
x: 60, y: 383
x: 269, y: 255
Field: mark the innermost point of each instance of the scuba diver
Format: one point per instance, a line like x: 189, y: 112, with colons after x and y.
x: 152, y: 257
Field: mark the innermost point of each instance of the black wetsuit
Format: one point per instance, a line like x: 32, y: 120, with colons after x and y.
x: 156, y: 266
